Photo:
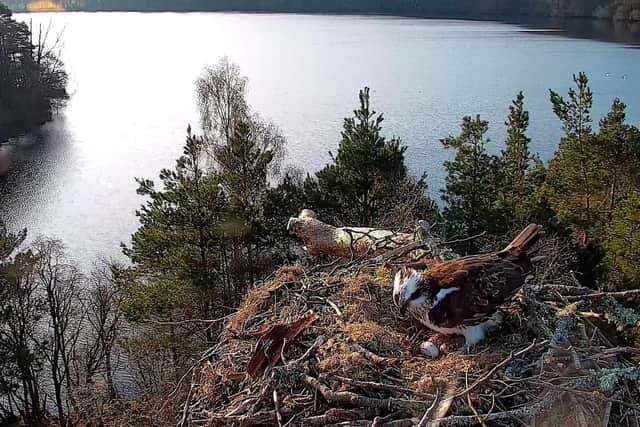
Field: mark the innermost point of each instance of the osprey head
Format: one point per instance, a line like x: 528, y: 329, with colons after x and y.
x: 405, y: 288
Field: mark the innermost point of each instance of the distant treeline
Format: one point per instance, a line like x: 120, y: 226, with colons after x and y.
x: 618, y: 9
x: 32, y: 76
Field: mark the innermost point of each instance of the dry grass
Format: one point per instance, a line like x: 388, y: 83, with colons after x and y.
x: 361, y: 349
x: 257, y: 298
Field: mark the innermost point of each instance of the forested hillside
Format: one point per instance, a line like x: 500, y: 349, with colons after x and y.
x: 617, y: 9
x: 32, y: 76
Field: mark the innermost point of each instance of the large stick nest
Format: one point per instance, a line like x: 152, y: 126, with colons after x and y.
x: 553, y: 363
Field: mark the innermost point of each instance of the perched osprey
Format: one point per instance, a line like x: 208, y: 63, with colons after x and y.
x: 463, y: 296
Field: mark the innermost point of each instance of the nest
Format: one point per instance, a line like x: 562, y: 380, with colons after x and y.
x: 358, y: 362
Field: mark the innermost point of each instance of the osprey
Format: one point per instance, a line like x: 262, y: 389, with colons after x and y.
x: 463, y: 296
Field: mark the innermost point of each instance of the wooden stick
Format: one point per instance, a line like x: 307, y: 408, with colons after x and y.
x: 621, y: 294
x: 276, y: 405
x: 380, y: 386
x: 498, y: 366
x: 429, y: 411
x: 357, y: 400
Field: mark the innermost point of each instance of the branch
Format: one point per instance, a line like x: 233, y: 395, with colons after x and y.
x: 427, y: 415
x: 356, y: 400
x: 346, y: 242
x: 380, y: 386
x: 480, y: 381
x: 332, y: 416
x: 621, y: 294
x: 466, y: 239
x: 521, y: 413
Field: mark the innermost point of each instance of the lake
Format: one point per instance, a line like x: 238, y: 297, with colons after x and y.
x: 132, y: 96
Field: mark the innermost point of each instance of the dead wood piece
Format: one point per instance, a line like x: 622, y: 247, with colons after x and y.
x: 621, y: 350
x: 405, y: 422
x: 522, y: 413
x: 332, y: 416
x: 274, y: 343
x: 429, y: 412
x: 323, y: 239
x: 395, y: 419
x: 374, y: 358
x: 633, y: 293
x: 498, y: 366
x: 263, y: 418
x: 380, y: 386
x: 351, y: 399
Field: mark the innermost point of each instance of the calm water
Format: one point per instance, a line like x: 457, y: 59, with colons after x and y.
x: 132, y: 84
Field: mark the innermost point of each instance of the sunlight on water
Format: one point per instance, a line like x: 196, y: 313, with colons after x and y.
x: 132, y: 81
x: 45, y: 6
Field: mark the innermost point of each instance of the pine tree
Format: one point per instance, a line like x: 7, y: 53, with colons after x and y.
x: 520, y: 169
x: 619, y: 157
x: 360, y: 184
x: 574, y: 178
x: 243, y: 166
x: 470, y: 193
x: 623, y: 243
x: 179, y: 247
x: 619, y: 153
x: 32, y: 76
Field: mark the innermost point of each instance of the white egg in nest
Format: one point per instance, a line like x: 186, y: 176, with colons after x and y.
x: 429, y: 349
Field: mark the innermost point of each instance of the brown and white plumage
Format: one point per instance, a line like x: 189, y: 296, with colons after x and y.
x: 463, y: 296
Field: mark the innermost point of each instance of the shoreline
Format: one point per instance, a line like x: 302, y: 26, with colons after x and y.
x: 508, y: 18
x: 626, y: 33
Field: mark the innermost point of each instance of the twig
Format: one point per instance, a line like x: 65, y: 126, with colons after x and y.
x: 332, y: 416
x: 331, y: 303
x: 380, y: 386
x: 429, y: 411
x: 515, y: 414
x: 498, y: 366
x: 250, y: 420
x: 571, y: 388
x: 620, y: 294
x: 618, y: 350
x: 276, y: 404
x: 183, y: 322
x: 466, y: 239
x: 473, y: 409
x: 185, y: 410
x: 316, y: 344
x: 356, y: 400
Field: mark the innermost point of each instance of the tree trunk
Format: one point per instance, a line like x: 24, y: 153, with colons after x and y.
x: 323, y: 239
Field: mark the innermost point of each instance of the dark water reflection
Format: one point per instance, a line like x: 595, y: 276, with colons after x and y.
x: 38, y: 164
x: 626, y: 32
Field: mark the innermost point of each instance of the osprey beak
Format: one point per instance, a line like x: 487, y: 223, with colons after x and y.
x: 403, y: 306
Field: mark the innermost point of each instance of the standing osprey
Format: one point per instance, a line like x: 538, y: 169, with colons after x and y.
x: 463, y: 296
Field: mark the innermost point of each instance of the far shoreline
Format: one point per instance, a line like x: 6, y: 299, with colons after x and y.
x: 626, y: 32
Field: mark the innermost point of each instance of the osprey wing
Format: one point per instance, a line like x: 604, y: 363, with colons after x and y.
x: 471, y: 289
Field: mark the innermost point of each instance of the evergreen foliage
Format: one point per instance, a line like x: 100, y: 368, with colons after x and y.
x: 360, y: 184
x: 521, y: 171
x: 179, y: 244
x: 204, y: 235
x: 574, y: 179
x: 32, y: 76
x: 619, y: 154
x: 471, y: 194
x: 623, y: 244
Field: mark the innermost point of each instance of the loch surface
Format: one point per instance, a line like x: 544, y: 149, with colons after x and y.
x: 132, y: 97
